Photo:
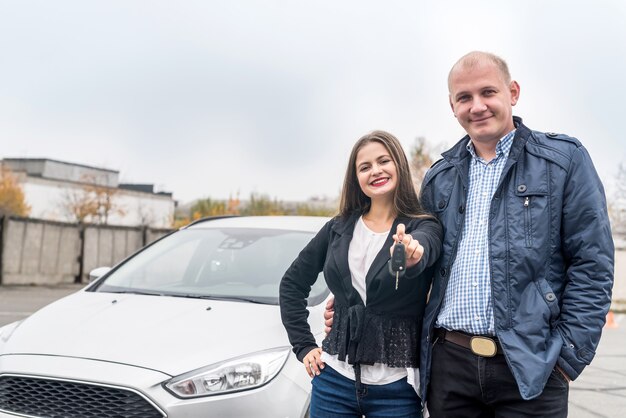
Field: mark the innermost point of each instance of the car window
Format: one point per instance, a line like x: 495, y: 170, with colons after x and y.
x: 237, y: 263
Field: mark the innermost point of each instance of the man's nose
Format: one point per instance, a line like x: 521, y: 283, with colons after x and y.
x: 478, y: 105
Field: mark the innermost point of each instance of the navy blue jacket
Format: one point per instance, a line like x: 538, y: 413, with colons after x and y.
x: 550, y: 250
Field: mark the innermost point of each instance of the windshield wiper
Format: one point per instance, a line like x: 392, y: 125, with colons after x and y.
x: 261, y: 301
x: 137, y: 292
x: 227, y: 298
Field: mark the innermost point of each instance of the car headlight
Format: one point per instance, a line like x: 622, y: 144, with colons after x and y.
x: 234, y: 375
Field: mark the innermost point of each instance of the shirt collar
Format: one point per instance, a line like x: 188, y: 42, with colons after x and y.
x: 502, y: 147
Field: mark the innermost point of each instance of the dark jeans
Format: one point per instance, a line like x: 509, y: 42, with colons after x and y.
x: 463, y: 384
x: 335, y: 396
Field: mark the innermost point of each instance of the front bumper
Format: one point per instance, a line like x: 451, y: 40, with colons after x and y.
x: 281, y: 397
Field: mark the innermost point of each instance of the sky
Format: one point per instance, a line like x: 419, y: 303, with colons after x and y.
x: 211, y: 99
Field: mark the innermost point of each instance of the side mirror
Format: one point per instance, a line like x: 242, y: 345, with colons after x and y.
x: 98, y: 272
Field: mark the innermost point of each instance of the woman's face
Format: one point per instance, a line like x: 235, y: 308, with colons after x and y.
x: 376, y: 171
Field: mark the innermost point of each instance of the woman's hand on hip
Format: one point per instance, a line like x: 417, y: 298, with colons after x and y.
x: 313, y: 362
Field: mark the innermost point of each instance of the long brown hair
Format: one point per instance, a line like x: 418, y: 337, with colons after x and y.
x: 405, y: 200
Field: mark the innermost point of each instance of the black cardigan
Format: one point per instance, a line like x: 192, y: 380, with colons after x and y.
x: 387, y: 329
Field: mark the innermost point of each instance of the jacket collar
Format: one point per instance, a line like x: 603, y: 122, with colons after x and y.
x: 459, y: 156
x: 459, y: 151
x: 522, y: 134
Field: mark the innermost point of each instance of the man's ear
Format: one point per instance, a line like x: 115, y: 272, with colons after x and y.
x: 515, y: 91
x: 451, y: 104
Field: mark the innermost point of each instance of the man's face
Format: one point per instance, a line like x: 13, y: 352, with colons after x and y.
x: 482, y: 102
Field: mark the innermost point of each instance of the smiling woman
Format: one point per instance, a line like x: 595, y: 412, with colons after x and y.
x: 368, y: 362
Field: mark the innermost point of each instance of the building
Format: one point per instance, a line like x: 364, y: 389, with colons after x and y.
x: 63, y: 191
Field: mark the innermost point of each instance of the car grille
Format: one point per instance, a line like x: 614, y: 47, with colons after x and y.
x: 38, y: 397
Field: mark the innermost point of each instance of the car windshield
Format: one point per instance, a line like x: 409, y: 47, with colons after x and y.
x: 243, y: 264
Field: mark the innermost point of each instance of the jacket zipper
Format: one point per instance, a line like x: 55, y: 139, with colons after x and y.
x: 528, y: 223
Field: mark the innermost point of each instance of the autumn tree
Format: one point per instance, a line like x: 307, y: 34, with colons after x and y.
x: 258, y: 205
x: 79, y: 205
x: 106, y: 201
x: 12, y: 200
x: 206, y: 207
x: 92, y: 202
x: 420, y: 161
x: 232, y: 206
x: 210, y: 207
x: 263, y: 205
x: 311, y: 209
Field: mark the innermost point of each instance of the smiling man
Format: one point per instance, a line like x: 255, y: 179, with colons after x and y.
x: 523, y: 286
x: 482, y: 99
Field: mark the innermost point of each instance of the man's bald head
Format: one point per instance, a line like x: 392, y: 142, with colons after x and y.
x: 477, y: 58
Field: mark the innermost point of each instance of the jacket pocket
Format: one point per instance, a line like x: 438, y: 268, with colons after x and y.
x: 528, y: 222
x: 549, y: 297
x: 535, y: 214
x: 532, y: 189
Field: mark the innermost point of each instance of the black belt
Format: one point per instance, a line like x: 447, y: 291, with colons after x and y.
x: 480, y: 345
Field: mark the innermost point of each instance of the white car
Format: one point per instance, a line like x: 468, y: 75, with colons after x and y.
x: 187, y: 327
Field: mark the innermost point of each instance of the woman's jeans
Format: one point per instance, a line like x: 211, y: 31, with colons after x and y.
x: 335, y: 396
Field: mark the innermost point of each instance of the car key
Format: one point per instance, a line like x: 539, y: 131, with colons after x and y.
x: 397, y: 264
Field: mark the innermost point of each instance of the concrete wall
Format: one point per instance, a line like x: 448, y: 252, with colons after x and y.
x: 37, y: 252
x: 106, y: 246
x: 44, y: 252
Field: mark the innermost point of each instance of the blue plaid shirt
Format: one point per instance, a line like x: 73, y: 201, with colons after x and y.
x: 467, y: 303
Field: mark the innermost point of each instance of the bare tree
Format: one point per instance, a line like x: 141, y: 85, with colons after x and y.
x: 92, y: 202
x: 79, y: 206
x: 420, y: 161
x: 144, y: 214
x: 106, y: 201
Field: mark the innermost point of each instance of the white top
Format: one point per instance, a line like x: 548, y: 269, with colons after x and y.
x: 364, y: 247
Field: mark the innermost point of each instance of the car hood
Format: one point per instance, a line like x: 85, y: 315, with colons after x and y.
x: 169, y: 334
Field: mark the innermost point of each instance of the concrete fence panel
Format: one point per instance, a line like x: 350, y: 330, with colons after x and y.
x: 12, y: 242
x: 108, y: 245
x: 37, y: 252
x: 154, y: 234
x: 34, y: 251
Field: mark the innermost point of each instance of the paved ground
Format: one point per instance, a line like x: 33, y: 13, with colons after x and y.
x: 619, y: 287
x: 599, y: 392
x: 601, y: 389
x: 17, y: 302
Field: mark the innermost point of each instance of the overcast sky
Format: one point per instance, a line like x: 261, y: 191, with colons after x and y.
x: 209, y: 98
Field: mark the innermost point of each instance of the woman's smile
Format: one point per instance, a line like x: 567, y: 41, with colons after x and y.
x: 381, y: 181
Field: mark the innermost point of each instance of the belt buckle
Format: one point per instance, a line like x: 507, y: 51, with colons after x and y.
x: 483, y: 346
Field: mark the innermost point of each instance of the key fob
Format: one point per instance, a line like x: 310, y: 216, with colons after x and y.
x: 397, y: 264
